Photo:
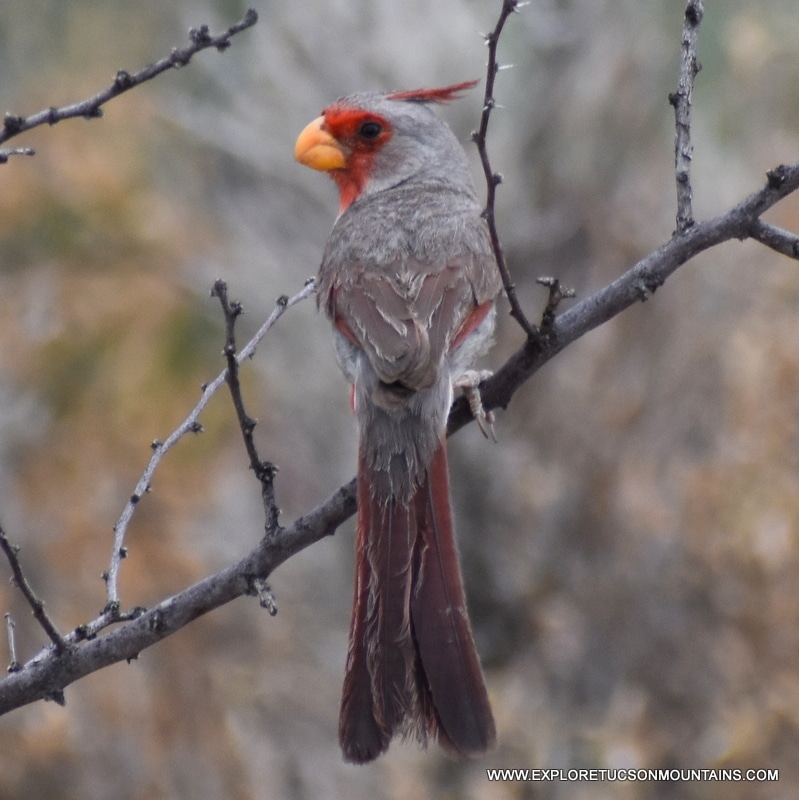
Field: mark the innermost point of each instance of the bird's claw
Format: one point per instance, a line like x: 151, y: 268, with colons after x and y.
x: 469, y: 384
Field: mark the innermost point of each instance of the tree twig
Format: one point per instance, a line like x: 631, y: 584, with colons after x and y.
x: 37, y: 605
x: 91, y: 107
x: 190, y: 425
x: 265, y: 471
x: 784, y: 242
x: 682, y: 100
x: 13, y: 664
x: 493, y: 179
x: 5, y: 154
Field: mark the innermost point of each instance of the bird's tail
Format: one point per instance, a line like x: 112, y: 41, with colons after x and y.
x: 412, y: 666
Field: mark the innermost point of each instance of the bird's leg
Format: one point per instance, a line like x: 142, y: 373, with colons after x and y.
x: 469, y: 384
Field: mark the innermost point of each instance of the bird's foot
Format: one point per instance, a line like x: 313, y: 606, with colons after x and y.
x: 469, y: 384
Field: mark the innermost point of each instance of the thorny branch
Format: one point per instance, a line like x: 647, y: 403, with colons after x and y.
x: 190, y: 425
x: 91, y: 647
x: 493, y: 179
x: 37, y: 606
x: 264, y: 471
x: 91, y: 107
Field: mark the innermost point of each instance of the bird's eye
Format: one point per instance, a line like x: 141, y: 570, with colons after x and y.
x: 370, y: 130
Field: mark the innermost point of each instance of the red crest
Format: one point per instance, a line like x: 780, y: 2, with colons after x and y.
x: 442, y: 95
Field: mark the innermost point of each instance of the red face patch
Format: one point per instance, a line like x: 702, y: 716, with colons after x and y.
x: 362, y: 134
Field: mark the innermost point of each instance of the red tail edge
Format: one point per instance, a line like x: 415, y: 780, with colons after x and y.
x: 441, y: 624
x: 412, y: 666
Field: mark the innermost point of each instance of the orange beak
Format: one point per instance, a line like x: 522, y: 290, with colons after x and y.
x: 317, y: 149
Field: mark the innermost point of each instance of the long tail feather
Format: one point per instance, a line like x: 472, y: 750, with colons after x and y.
x: 412, y: 667
x: 379, y: 691
x: 360, y: 735
x: 441, y: 625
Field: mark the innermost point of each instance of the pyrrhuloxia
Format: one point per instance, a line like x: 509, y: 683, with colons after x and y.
x: 409, y: 280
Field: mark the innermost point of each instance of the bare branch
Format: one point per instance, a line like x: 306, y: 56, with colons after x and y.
x: 635, y: 285
x: 681, y: 100
x: 784, y: 242
x: 47, y: 675
x: 16, y: 151
x: 265, y: 471
x: 37, y: 605
x: 493, y: 179
x: 190, y: 425
x: 91, y: 107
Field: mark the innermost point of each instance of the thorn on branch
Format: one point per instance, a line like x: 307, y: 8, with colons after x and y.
x: 643, y: 290
x: 200, y: 35
x: 81, y: 633
x: 179, y: 58
x: 777, y: 176
x: 13, y: 664
x: 694, y: 12
x: 258, y: 587
x: 123, y: 80
x: 219, y: 288
x: 56, y: 696
x: 12, y: 123
x: 112, y: 608
x: 157, y: 621
x: 266, y: 471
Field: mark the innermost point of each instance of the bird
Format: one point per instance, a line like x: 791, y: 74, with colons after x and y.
x: 409, y: 280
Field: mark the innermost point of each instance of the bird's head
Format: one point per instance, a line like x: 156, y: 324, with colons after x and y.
x: 371, y: 141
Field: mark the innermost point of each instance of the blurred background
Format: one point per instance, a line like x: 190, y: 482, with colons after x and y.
x: 631, y: 545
